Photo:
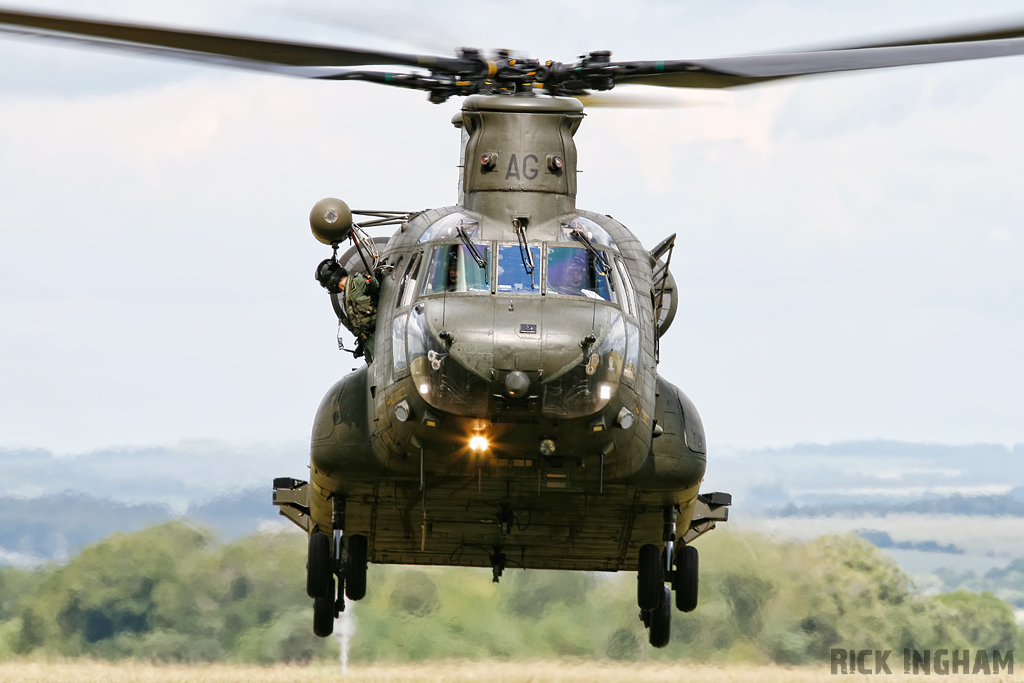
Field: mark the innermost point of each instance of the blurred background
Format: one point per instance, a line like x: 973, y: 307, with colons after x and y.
x: 849, y: 323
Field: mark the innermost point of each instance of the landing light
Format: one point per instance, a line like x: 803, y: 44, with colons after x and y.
x: 478, y: 443
x: 424, y: 388
x: 605, y: 391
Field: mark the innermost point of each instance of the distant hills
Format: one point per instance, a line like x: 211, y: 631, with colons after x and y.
x: 882, y: 539
x: 177, y: 476
x: 1008, y: 505
x: 52, y: 505
x: 58, y: 525
x: 864, y: 473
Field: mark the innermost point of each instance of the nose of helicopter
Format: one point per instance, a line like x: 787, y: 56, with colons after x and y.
x: 515, y: 337
x: 568, y: 353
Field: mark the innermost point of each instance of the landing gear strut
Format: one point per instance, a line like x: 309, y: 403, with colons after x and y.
x: 654, y: 568
x: 327, y: 562
x: 497, y: 564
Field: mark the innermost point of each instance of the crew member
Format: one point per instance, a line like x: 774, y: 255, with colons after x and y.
x: 452, y: 283
x: 572, y: 276
x: 358, y: 296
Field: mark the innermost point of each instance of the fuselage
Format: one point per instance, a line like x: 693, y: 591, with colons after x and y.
x: 515, y: 357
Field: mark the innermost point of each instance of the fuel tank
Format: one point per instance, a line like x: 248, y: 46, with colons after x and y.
x: 678, y: 454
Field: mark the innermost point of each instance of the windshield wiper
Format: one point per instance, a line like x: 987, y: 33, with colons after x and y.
x: 582, y: 238
x: 464, y: 236
x: 519, y: 224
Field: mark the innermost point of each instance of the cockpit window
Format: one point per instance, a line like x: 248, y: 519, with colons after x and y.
x: 627, y: 285
x: 453, y: 269
x: 589, y: 229
x: 448, y: 228
x: 408, y: 288
x: 514, y: 275
x: 579, y: 273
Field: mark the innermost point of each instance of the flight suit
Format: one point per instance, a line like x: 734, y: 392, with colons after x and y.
x: 359, y: 301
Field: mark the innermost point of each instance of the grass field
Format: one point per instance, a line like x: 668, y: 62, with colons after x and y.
x: 543, y: 671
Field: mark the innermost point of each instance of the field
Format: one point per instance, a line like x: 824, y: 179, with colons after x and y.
x: 536, y: 671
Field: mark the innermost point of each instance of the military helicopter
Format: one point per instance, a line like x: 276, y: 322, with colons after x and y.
x: 528, y: 426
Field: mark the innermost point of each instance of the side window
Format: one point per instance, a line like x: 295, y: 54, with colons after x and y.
x: 454, y: 268
x: 578, y: 273
x: 408, y: 289
x: 627, y: 286
x: 629, y: 369
x: 398, y: 358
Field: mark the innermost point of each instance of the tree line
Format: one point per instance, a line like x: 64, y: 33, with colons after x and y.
x: 172, y: 592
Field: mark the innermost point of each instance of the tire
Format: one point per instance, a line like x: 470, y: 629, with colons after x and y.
x: 660, y: 631
x: 355, y: 568
x: 649, y: 579
x: 323, y: 612
x: 319, y: 574
x: 686, y: 579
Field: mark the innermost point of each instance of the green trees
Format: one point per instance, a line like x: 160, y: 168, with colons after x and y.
x: 170, y: 593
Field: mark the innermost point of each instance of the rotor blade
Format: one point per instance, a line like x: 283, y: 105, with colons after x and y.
x: 318, y: 72
x: 240, y: 47
x: 978, y: 34
x: 615, y: 100
x: 729, y: 72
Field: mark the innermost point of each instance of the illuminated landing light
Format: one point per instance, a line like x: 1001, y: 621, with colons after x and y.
x: 424, y: 388
x: 605, y: 391
x: 478, y: 444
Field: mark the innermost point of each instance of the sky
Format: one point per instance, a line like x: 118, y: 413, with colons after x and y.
x: 849, y: 248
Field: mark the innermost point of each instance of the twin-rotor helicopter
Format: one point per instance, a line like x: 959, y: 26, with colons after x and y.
x: 512, y: 414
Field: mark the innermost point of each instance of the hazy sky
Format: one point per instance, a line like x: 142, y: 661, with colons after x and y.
x: 850, y: 248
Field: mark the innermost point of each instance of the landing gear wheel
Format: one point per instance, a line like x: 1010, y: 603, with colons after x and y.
x: 319, y: 574
x: 355, y: 568
x: 686, y: 579
x: 649, y: 579
x: 660, y: 630
x: 324, y: 611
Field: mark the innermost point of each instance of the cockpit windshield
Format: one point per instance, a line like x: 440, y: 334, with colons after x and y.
x: 448, y: 228
x: 579, y: 273
x: 454, y: 269
x: 514, y: 270
x: 588, y: 229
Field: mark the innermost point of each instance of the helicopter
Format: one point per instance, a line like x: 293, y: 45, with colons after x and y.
x: 527, y: 426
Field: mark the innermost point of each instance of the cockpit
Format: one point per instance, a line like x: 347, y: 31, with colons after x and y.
x: 459, y: 348
x: 578, y: 264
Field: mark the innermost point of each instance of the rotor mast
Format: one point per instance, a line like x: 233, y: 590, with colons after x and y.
x: 518, y: 154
